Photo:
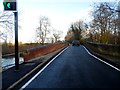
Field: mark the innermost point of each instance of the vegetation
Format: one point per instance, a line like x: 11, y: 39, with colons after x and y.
x: 7, y: 27
x: 75, y: 31
x: 6, y: 23
x: 57, y: 35
x: 42, y: 30
x: 104, y: 28
x: 8, y: 48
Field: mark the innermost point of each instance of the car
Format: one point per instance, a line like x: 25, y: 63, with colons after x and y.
x: 75, y: 43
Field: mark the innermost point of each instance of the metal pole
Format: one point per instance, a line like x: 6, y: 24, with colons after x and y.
x: 119, y: 22
x: 119, y: 13
x: 16, y: 42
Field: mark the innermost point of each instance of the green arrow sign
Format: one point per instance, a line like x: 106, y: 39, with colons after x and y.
x: 8, y: 5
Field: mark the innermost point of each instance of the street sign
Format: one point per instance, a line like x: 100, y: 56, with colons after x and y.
x: 10, y: 5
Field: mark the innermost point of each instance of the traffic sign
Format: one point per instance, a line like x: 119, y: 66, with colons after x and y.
x: 10, y: 5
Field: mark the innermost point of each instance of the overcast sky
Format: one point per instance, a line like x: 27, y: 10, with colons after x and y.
x: 60, y: 12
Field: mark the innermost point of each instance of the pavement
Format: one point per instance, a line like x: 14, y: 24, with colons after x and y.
x: 12, y: 78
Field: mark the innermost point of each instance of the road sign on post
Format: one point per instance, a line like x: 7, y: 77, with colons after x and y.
x: 10, y: 5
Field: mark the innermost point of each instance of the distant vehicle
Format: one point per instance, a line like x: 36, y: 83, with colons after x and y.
x: 75, y: 43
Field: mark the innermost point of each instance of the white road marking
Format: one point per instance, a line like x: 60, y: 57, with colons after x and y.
x: 42, y: 70
x: 101, y: 60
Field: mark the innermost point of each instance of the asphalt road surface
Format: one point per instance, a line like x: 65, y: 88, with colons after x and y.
x: 75, y: 68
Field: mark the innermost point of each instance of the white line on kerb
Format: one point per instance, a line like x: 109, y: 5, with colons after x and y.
x: 41, y: 70
x: 101, y: 60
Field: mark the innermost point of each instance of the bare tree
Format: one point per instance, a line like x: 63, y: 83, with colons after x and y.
x: 43, y: 29
x: 57, y: 35
x: 6, y: 25
x: 104, y: 22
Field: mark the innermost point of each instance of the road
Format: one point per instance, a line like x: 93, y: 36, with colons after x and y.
x: 75, y: 68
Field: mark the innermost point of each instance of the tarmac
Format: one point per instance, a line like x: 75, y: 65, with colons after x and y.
x: 15, y: 79
x: 12, y: 79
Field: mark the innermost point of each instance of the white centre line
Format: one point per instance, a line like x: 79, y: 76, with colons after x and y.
x: 101, y: 60
x: 24, y: 86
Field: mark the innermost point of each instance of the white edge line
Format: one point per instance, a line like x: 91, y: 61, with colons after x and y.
x: 41, y: 70
x: 101, y: 60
